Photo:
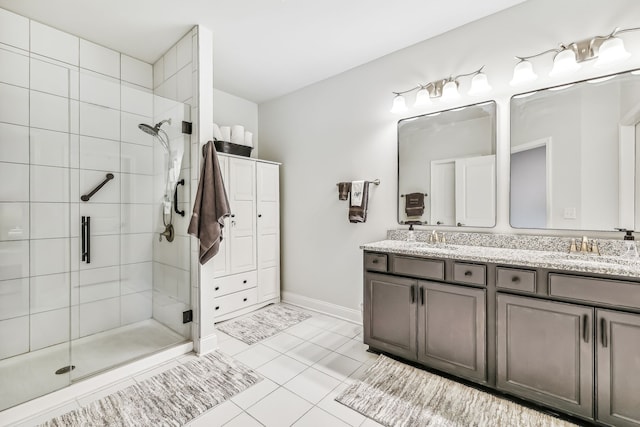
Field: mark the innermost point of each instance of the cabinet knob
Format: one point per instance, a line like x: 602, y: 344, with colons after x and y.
x: 515, y: 279
x: 459, y: 224
x: 244, y: 281
x: 217, y: 288
x: 218, y: 308
x: 233, y: 215
x: 259, y: 215
x: 244, y: 299
x: 439, y: 223
x: 375, y: 261
x: 468, y: 273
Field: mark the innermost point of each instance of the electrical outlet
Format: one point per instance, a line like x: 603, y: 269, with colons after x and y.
x: 569, y: 213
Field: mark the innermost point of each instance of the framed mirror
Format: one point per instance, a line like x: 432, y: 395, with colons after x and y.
x: 573, y: 155
x: 447, y: 167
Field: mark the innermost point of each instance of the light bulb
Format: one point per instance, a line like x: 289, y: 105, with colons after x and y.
x: 479, y: 85
x: 611, y: 52
x: 423, y: 98
x: 564, y: 63
x: 450, y: 91
x: 399, y: 105
x: 523, y: 73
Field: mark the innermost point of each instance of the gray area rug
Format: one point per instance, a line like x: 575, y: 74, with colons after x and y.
x: 263, y: 323
x: 171, y: 398
x: 395, y: 394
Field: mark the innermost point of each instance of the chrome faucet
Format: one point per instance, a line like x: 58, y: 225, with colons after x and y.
x: 434, y: 237
x: 584, y: 246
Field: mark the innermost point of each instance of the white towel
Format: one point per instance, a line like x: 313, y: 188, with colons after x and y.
x: 357, y: 189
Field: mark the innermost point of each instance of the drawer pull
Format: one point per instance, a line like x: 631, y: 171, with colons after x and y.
x: 375, y: 261
x: 218, y: 308
x: 468, y: 273
x: 605, y: 338
x: 515, y: 279
x: 217, y: 288
x: 421, y: 295
x: 413, y: 294
x: 244, y: 299
x: 585, y: 328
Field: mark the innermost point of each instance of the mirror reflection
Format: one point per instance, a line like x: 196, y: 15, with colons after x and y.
x: 446, y: 167
x: 573, y: 155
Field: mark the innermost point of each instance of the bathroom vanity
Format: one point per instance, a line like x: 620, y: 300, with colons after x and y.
x: 558, y: 329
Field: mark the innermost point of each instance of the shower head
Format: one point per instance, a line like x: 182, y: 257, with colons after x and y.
x: 153, y: 131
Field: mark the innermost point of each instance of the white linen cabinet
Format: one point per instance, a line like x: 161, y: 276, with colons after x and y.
x: 245, y: 274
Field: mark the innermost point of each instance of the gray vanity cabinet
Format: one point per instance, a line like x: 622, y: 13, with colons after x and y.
x: 390, y: 314
x: 618, y: 371
x: 545, y: 352
x: 452, y: 329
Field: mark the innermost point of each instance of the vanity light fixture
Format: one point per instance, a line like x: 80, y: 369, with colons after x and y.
x: 446, y: 89
x: 606, y: 50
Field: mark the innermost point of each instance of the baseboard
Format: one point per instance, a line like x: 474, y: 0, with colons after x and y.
x: 207, y: 344
x: 323, y: 307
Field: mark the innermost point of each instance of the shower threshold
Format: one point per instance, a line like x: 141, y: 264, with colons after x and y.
x: 33, y: 374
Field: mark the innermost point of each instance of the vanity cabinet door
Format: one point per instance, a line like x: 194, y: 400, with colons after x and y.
x: 390, y: 314
x: 618, y: 355
x: 545, y: 352
x: 452, y: 329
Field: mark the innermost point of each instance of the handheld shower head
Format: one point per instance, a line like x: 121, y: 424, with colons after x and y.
x: 157, y: 132
x: 148, y: 129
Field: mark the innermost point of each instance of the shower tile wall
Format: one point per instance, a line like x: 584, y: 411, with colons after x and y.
x: 174, y: 77
x: 69, y: 111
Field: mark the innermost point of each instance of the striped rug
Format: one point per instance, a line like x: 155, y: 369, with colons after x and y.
x: 398, y: 395
x: 171, y: 398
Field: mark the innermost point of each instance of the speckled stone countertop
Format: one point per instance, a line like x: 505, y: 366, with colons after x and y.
x: 588, y: 263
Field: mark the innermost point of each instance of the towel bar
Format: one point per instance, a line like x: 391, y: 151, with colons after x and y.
x: 375, y: 181
x: 402, y: 195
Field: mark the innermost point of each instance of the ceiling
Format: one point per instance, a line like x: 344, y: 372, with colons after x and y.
x: 262, y: 48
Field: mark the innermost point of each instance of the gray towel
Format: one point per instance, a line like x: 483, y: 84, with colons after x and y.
x: 359, y: 213
x: 343, y: 190
x: 414, y: 204
x: 210, y: 207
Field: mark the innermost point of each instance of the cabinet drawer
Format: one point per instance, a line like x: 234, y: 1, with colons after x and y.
x: 612, y: 292
x: 470, y: 273
x: 234, y: 283
x: 375, y: 262
x: 235, y: 301
x: 417, y: 267
x: 516, y: 279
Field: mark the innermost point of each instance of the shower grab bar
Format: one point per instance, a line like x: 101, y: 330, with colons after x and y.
x: 86, y: 239
x: 86, y: 197
x: 175, y: 198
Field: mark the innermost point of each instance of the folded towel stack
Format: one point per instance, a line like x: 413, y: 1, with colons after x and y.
x: 343, y: 190
x: 414, y: 204
x: 359, y: 201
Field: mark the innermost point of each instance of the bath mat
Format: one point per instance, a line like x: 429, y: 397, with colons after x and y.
x: 263, y: 323
x: 395, y: 394
x: 171, y: 398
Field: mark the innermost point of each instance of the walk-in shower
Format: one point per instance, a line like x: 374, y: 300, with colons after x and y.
x: 85, y: 285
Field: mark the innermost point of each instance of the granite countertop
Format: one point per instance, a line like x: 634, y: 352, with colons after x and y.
x: 587, y: 263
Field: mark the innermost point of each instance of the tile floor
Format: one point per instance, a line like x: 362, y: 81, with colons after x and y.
x: 304, y: 368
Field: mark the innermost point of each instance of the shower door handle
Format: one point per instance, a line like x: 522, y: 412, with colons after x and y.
x: 175, y: 198
x: 86, y: 239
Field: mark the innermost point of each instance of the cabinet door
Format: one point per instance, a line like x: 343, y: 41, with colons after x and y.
x: 452, y: 329
x: 220, y: 264
x: 242, y: 197
x: 545, y: 352
x: 390, y: 314
x: 618, y: 351
x: 268, y: 209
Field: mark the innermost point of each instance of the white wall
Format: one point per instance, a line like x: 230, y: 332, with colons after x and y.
x: 340, y: 129
x: 229, y: 110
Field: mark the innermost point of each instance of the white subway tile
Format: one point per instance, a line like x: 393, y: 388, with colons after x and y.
x: 137, y: 72
x: 170, y: 62
x: 14, y: 143
x: 74, y: 152
x: 49, y: 111
x: 14, y: 104
x: 99, y: 316
x: 158, y: 73
x: 136, y: 188
x: 137, y: 100
x: 49, y: 148
x: 49, y: 328
x: 130, y: 131
x: 99, y: 154
x: 105, y: 217
x: 50, y: 78
x: 99, y: 89
x: 184, y: 84
x: 14, y: 221
x: 74, y: 187
x: 74, y: 84
x: 14, y: 334
x: 184, y: 51
x: 18, y: 176
x: 100, y: 122
x: 14, y: 263
x: 51, y: 292
x: 15, y: 298
x: 49, y: 220
x: 100, y: 59
x: 136, y: 307
x: 136, y: 159
x: 99, y: 283
x: 136, y: 277
x: 74, y: 119
x: 105, y: 252
x: 54, y: 43
x: 136, y: 248
x: 49, y: 256
x: 169, y: 89
x: 15, y: 68
x: 109, y: 193
x: 136, y: 218
x: 14, y: 29
x: 49, y: 184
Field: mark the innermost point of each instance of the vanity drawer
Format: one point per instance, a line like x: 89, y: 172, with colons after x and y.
x: 234, y: 283
x: 418, y: 267
x: 473, y: 274
x: 516, y: 279
x: 375, y: 262
x: 612, y: 292
x: 235, y: 301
